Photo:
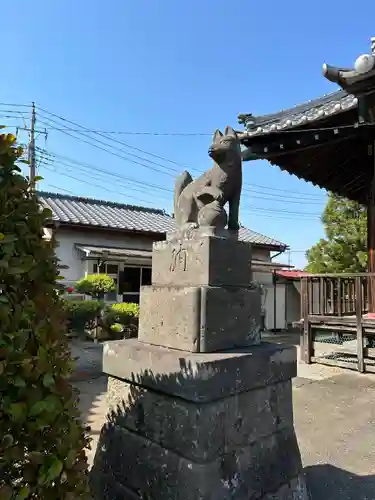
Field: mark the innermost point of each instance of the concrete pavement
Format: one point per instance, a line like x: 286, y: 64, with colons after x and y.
x: 334, y: 418
x: 88, y: 359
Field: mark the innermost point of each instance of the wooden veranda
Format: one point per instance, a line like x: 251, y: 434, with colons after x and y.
x: 330, y: 142
x: 336, y: 327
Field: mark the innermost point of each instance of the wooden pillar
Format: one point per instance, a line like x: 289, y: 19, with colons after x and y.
x: 371, y: 235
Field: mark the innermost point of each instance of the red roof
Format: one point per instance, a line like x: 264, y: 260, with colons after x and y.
x: 286, y: 273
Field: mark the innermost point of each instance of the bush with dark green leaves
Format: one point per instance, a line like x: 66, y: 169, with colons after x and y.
x: 122, y: 319
x: 82, y: 315
x: 96, y: 285
x: 42, y: 440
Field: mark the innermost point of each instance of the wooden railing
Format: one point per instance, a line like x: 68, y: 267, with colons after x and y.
x: 334, y: 313
x: 334, y: 294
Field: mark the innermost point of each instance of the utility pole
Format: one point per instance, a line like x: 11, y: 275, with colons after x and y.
x: 31, y: 149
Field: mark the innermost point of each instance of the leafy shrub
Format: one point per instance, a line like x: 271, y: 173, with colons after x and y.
x: 117, y: 328
x: 41, y: 438
x: 96, y: 285
x: 125, y: 317
x: 125, y: 312
x: 82, y: 315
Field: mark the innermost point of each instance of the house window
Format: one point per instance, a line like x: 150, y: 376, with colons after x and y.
x: 146, y: 276
x: 106, y: 268
x: 131, y: 280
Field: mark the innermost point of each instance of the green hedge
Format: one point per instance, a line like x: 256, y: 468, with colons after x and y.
x: 122, y: 319
x: 82, y: 315
x: 42, y: 439
x: 115, y: 321
x: 96, y: 285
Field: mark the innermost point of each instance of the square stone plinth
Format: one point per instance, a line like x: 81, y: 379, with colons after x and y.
x: 200, y: 319
x: 199, y: 377
x: 184, y: 426
x: 201, y: 432
x: 201, y: 260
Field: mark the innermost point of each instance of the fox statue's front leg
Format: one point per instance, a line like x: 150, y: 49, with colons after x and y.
x: 234, y: 212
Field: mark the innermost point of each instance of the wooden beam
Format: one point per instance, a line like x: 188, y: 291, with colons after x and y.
x: 371, y: 234
x: 359, y: 307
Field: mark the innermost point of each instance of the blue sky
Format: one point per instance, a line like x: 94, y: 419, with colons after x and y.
x: 172, y: 67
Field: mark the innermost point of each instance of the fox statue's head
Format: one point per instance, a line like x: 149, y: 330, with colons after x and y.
x: 225, y: 147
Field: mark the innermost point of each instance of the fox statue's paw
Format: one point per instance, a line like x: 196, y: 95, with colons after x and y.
x: 234, y: 226
x: 190, y: 225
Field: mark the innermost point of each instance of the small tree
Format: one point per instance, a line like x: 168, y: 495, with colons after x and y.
x: 41, y: 438
x: 345, y: 247
x: 96, y: 285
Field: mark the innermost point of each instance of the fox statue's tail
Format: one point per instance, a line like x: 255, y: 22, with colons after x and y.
x: 182, y: 181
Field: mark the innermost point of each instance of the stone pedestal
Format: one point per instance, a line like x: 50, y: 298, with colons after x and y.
x: 199, y: 409
x: 202, y: 298
x: 198, y: 426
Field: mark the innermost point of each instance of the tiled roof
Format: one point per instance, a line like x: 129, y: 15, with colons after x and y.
x: 302, y: 114
x: 96, y: 213
x: 90, y: 212
x: 249, y: 236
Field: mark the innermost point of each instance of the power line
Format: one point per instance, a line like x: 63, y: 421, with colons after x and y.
x: 298, y: 199
x: 251, y: 209
x: 114, y: 140
x: 148, y: 153
x: 268, y: 197
x: 59, y: 188
x: 152, y: 134
x: 112, y: 152
x: 254, y: 211
x: 96, y: 185
x: 53, y: 158
x: 14, y: 105
x: 100, y: 177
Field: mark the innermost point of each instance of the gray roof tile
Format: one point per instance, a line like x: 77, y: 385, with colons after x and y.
x: 91, y: 212
x: 317, y: 109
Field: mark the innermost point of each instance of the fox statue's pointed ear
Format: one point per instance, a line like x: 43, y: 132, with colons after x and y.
x: 229, y: 131
x: 217, y: 135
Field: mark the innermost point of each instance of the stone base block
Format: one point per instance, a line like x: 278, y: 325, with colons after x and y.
x: 151, y: 471
x: 202, y: 377
x: 201, y: 260
x: 200, y: 319
x: 207, y: 430
x: 185, y: 426
x: 106, y: 488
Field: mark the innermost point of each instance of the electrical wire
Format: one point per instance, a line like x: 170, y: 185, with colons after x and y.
x: 149, y: 161
x: 52, y: 159
x: 269, y: 196
x: 113, y: 153
x: 161, y: 157
x: 256, y: 212
x: 96, y: 185
x: 246, y: 208
x: 114, y: 140
x: 298, y: 199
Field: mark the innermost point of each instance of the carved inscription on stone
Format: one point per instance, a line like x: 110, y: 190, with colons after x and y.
x: 179, y: 260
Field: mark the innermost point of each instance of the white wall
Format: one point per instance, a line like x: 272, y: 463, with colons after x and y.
x: 280, y: 323
x: 293, y: 291
x: 70, y: 256
x: 268, y: 302
x: 67, y: 240
x: 260, y: 253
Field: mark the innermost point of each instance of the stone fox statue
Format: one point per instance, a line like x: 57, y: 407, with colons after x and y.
x: 201, y: 202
